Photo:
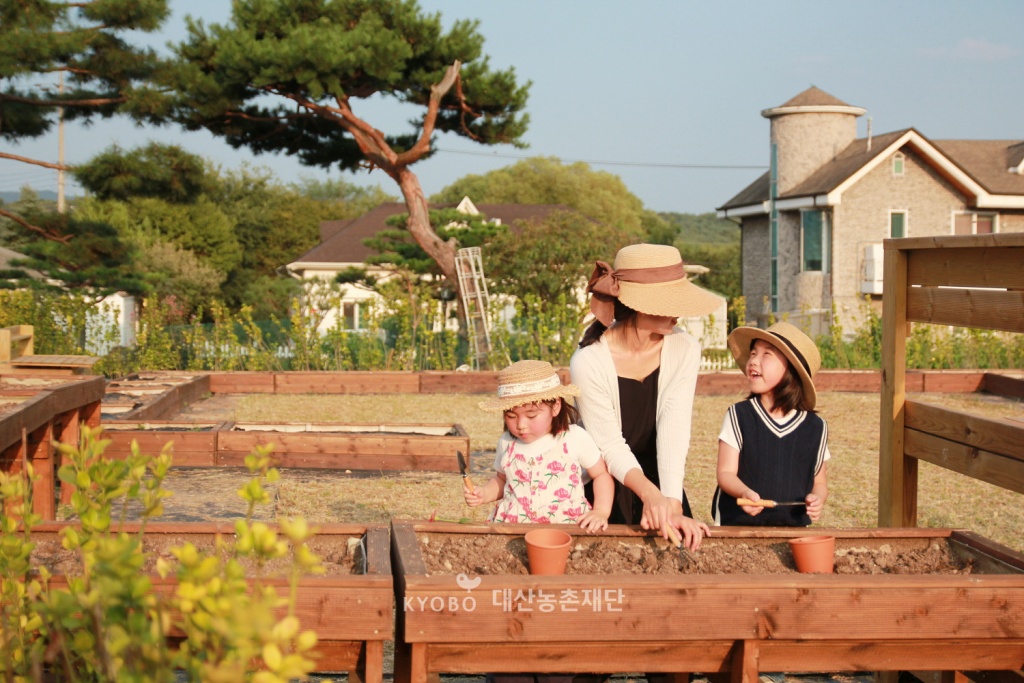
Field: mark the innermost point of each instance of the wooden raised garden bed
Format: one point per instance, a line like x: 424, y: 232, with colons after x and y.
x: 35, y: 414
x: 460, y: 618
x: 350, y: 607
x: 388, y: 447
x: 194, y: 443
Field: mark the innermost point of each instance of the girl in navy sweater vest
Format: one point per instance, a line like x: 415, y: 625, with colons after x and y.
x: 773, y: 446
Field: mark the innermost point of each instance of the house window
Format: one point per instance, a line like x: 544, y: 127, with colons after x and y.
x: 971, y: 223
x: 351, y: 311
x: 897, y: 163
x: 897, y: 224
x: 814, y: 240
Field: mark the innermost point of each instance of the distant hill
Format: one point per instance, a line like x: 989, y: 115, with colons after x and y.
x: 703, y: 228
x: 12, y: 196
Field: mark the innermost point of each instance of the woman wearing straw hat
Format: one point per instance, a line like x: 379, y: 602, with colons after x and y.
x: 637, y: 374
x: 773, y: 446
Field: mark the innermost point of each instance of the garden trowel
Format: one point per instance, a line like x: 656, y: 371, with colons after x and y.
x: 766, y: 503
x: 464, y: 468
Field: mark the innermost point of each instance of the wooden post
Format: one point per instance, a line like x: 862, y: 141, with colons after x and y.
x: 38, y: 450
x: 24, y: 340
x: 897, y: 474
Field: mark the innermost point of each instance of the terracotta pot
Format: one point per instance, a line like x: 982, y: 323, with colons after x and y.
x: 547, y: 550
x: 814, y: 554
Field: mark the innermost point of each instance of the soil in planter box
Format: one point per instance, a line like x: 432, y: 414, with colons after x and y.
x: 500, y: 554
x: 339, y: 555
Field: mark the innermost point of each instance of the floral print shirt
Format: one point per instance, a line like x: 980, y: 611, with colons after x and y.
x: 544, y: 479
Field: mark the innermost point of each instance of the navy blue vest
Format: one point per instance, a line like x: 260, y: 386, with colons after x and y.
x: 778, y: 460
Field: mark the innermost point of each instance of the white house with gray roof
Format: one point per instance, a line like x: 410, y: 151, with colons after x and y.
x: 812, y: 226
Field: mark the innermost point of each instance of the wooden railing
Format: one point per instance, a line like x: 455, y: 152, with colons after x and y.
x: 965, y: 281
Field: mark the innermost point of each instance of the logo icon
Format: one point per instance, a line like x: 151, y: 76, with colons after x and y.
x: 465, y: 582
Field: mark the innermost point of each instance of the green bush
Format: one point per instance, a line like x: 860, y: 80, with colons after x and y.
x: 108, y: 623
x: 406, y: 330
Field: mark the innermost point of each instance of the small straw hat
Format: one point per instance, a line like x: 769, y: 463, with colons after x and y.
x: 528, y: 381
x: 799, y: 349
x: 651, y: 279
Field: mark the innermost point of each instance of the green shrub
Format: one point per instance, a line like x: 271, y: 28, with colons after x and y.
x: 108, y: 623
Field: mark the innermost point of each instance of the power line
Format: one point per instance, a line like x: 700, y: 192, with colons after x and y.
x: 647, y: 164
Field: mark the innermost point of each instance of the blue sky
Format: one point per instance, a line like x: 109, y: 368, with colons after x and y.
x: 657, y: 92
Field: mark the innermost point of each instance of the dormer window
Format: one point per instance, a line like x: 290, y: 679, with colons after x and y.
x: 897, y: 163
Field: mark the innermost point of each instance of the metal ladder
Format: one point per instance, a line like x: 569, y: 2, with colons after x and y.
x: 473, y: 289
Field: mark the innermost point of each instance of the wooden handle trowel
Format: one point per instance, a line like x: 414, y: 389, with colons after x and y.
x: 464, y: 468
x: 766, y: 503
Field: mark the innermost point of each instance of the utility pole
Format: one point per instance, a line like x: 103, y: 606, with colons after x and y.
x: 60, y: 147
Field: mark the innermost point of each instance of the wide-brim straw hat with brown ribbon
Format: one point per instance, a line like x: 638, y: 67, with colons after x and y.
x: 799, y: 349
x: 528, y: 381
x: 651, y: 279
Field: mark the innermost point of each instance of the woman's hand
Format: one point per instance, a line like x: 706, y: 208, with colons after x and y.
x: 659, y: 511
x: 693, y: 532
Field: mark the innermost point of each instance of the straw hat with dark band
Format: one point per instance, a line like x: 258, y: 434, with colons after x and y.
x: 801, y: 352
x: 651, y: 279
x: 528, y: 381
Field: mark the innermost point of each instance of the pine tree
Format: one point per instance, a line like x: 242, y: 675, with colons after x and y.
x: 288, y: 77
x: 90, y: 69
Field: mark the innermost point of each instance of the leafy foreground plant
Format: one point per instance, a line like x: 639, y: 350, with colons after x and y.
x: 108, y: 623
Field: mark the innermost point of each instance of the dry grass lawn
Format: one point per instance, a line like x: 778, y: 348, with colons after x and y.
x: 945, y: 499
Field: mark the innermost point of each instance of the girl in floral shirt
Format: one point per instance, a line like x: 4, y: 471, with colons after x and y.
x: 543, y: 455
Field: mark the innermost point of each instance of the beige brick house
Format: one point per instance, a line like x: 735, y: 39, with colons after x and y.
x: 813, y: 225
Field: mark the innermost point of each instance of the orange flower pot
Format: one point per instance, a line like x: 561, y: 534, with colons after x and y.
x: 547, y: 551
x: 814, y: 554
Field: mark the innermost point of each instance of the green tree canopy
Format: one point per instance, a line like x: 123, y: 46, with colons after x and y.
x: 544, y: 180
x: 82, y: 52
x: 550, y: 257
x: 288, y: 77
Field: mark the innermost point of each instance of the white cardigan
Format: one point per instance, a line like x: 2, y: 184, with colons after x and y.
x: 593, y: 371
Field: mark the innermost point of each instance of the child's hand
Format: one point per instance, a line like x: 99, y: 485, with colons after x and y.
x: 594, y: 521
x: 473, y: 497
x: 752, y: 510
x: 815, y: 505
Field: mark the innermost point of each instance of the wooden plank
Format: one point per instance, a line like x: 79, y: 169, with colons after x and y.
x: 974, y: 462
x: 863, y: 381
x: 709, y: 656
x: 1003, y: 239
x: 29, y: 416
x: 1003, y: 385
x: 999, y: 267
x: 39, y: 452
x: 989, y: 309
x: 996, y: 435
x: 897, y: 475
x: 346, y: 383
x: 721, y: 383
x: 458, y: 382
x: 953, y: 381
x: 341, y: 461
x: 242, y: 382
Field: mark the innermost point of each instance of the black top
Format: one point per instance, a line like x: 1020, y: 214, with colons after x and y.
x: 638, y: 402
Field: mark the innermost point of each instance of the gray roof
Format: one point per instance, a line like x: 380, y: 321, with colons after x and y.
x: 986, y: 161
x: 814, y: 97
x: 342, y: 240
